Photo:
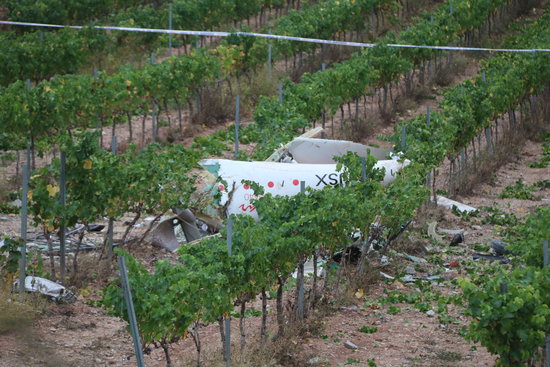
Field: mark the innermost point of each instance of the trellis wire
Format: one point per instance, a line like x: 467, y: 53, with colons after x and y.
x: 274, y: 36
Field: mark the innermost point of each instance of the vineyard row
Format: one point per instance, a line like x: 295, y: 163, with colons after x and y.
x: 264, y: 253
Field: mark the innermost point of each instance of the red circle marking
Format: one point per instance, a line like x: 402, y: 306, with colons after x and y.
x: 222, y: 187
x: 295, y: 182
x: 246, y: 186
x: 270, y: 184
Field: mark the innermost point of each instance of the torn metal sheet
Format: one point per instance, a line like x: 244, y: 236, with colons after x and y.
x: 323, y: 151
x: 411, y: 279
x: 432, y: 233
x: 279, y: 154
x: 40, y: 243
x: 389, y: 277
x: 451, y: 231
x: 163, y: 235
x: 477, y: 256
x: 55, y: 291
x: 278, y: 179
x: 188, y: 223
x: 412, y: 258
x: 448, y: 204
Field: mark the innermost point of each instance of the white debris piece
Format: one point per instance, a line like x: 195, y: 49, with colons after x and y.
x: 387, y: 276
x: 448, y: 204
x: 52, y: 289
x: 450, y: 231
x: 279, y: 179
x: 350, y: 345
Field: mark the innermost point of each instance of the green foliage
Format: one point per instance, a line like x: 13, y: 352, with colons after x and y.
x: 511, y: 307
x: 41, y: 55
x: 7, y: 208
x: 62, y: 11
x: 496, y: 216
x: 512, y: 324
x: 526, y: 238
x: 38, y: 55
x: 160, y: 312
x: 351, y: 361
x: 368, y: 329
x: 101, y: 184
x: 187, y: 14
x: 543, y: 161
x: 374, y: 67
x: 463, y: 214
x: 469, y: 107
x: 10, y: 254
x: 542, y: 184
x: 291, y: 228
x: 393, y: 310
x: 518, y: 190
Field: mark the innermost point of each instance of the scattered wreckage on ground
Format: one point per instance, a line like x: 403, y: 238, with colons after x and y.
x: 305, y: 159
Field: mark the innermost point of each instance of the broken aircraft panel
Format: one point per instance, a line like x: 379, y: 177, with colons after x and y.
x: 303, y: 159
x: 277, y: 179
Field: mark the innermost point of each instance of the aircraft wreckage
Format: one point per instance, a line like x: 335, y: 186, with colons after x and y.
x: 305, y: 159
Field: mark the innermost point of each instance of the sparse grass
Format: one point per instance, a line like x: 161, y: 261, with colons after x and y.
x: 542, y: 184
x: 544, y: 161
x: 356, y: 129
x: 365, y: 280
x: 404, y: 103
x: 368, y: 329
x: 89, y: 270
x: 410, y: 246
x: 6, y: 208
x: 18, y: 311
x: 448, y: 356
x: 216, y: 109
x: 8, y: 186
x: 444, y: 75
x: 393, y: 310
x: 518, y: 190
x: 260, y: 85
x: 282, y: 350
x: 486, y: 165
x: 6, y: 158
x: 496, y: 216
